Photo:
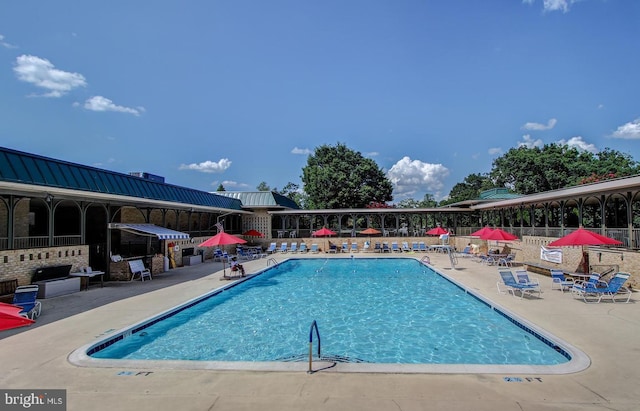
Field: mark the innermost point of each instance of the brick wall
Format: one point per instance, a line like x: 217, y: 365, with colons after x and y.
x: 21, y: 264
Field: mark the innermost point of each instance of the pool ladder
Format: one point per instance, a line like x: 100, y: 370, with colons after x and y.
x: 272, y: 261
x: 314, y: 326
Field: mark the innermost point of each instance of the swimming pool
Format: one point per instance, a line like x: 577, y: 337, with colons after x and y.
x: 374, y: 311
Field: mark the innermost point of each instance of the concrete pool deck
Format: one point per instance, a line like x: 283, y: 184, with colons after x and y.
x: 36, y: 357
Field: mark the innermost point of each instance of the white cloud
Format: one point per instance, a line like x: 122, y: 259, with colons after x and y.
x: 99, y: 103
x: 538, y: 126
x: 5, y: 44
x: 411, y: 176
x: 529, y: 142
x: 495, y: 151
x: 554, y: 5
x: 303, y: 151
x: 208, y: 166
x: 372, y: 154
x: 41, y: 73
x: 235, y: 184
x: 580, y: 144
x: 629, y: 131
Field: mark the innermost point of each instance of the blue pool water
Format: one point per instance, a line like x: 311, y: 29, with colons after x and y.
x: 367, y: 310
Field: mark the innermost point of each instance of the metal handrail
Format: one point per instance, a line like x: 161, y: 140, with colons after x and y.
x: 272, y: 260
x: 314, y: 326
x: 452, y: 258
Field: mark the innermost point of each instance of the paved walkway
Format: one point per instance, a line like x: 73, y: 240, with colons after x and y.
x: 36, y: 357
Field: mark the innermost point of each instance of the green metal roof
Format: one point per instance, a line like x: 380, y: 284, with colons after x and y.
x: 498, y: 194
x: 261, y: 199
x: 25, y: 168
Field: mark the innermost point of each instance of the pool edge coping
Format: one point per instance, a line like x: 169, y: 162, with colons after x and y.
x: 579, y: 361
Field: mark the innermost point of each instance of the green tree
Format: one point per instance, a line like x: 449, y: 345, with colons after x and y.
x: 611, y: 164
x: 469, y: 189
x: 554, y: 166
x: 292, y: 190
x: 220, y: 188
x: 427, y: 202
x: 263, y: 186
x: 338, y: 177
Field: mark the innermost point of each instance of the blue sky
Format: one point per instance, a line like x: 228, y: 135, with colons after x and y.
x: 239, y: 92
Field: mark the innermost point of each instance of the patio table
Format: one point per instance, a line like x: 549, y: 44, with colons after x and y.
x: 85, y: 277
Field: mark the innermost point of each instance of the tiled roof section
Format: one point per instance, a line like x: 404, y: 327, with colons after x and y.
x: 261, y: 199
x: 25, y: 168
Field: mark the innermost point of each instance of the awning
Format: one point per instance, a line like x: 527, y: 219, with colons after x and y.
x: 151, y: 231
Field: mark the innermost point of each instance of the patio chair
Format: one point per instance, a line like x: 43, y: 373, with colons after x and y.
x: 385, y: 248
x: 395, y: 248
x: 486, y: 259
x: 580, y: 288
x: 405, y: 247
x: 314, y: 248
x: 559, y: 280
x: 614, y: 288
x: 294, y: 247
x: 138, y: 269
x: 415, y: 247
x: 25, y: 297
x: 272, y: 248
x: 219, y: 255
x: 507, y: 261
x: 345, y: 247
x: 303, y: 248
x: 366, y: 247
x: 354, y: 247
x: 422, y: 247
x: 377, y: 248
x: 283, y: 247
x: 466, y: 252
x: 333, y: 248
x: 596, y: 288
x: 245, y: 255
x: 509, y: 281
x: 522, y: 276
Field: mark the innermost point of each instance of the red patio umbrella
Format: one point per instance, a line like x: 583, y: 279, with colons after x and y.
x: 437, y: 231
x: 253, y: 233
x: 499, y: 235
x: 370, y: 231
x: 219, y: 239
x: 482, y: 232
x: 10, y: 317
x: 222, y: 238
x: 584, y: 237
x: 323, y: 232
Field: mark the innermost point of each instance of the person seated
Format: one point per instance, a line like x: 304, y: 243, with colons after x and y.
x: 235, y: 266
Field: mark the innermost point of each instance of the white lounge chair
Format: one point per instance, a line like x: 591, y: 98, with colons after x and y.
x: 138, y: 269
